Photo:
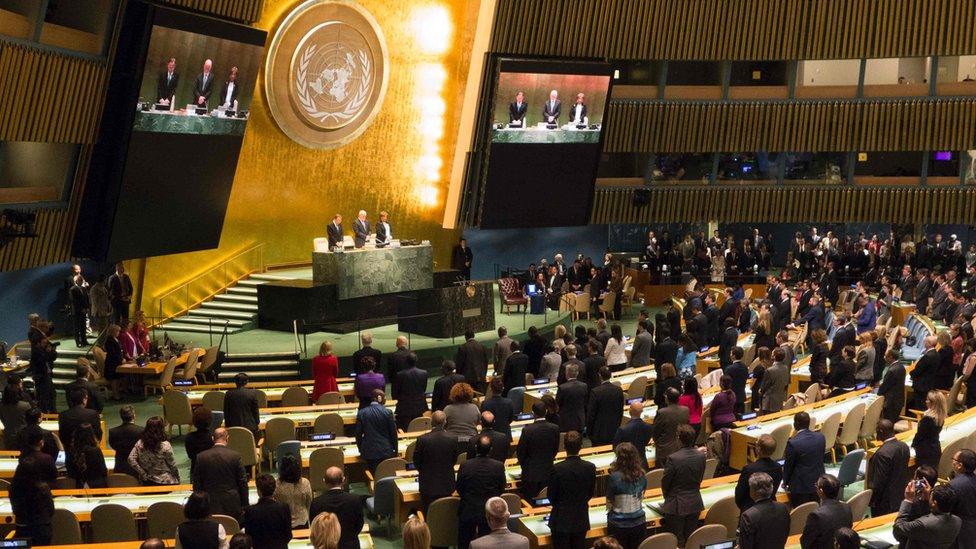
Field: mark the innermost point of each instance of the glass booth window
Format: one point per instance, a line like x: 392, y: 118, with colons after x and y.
x: 827, y: 79
x: 759, y: 80
x: 888, y: 167
x: 753, y: 167
x: 956, y: 75
x: 822, y: 167
x: 18, y: 18
x: 897, y: 77
x: 673, y: 167
x: 944, y: 168
x: 694, y: 80
x: 968, y: 162
x: 32, y: 172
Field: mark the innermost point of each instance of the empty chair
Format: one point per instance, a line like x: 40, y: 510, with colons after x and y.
x: 207, y: 363
x: 408, y: 453
x: 121, y: 480
x: 582, y: 306
x: 162, y: 518
x: 64, y: 483
x: 389, y: 468
x: 262, y: 398
x: 609, y: 300
x: 638, y: 387
x: 295, y: 395
x: 326, y: 399
x: 724, y: 512
x: 798, y: 517
x: 953, y: 399
x: 442, y: 518
x: 851, y: 429
x: 213, y: 401
x: 813, y: 393
x: 189, y: 370
x: 164, y: 380
x: 216, y: 420
x: 320, y: 460
x: 381, y: 504
x: 242, y: 440
x: 710, y: 533
x: 4, y: 485
x: 230, y: 524
x: 711, y: 465
x: 664, y: 540
x: 421, y: 423
x: 654, y: 478
x: 781, y: 434
x: 711, y: 379
x: 870, y: 424
x: 65, y: 529
x: 177, y: 410
x: 329, y: 422
x: 276, y: 431
x: 113, y: 522
x: 849, y: 467
x: 517, y: 396
x: 829, y: 429
x: 859, y: 504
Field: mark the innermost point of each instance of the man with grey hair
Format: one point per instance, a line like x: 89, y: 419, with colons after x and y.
x: 496, y: 510
x: 572, y: 397
x: 502, y: 349
x: 360, y: 229
x: 767, y: 523
x: 365, y: 351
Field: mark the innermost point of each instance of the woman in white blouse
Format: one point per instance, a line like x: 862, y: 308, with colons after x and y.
x: 615, y: 354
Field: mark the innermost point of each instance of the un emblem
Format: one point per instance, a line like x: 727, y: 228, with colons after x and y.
x: 326, y: 73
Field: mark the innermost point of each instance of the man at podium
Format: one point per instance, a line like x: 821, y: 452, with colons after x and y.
x: 335, y: 232
x: 517, y: 110
x: 167, y: 82
x: 550, y: 111
x: 360, y: 229
x: 204, y: 85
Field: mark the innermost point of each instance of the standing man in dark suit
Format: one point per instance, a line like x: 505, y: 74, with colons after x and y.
x: 167, y: 83
x: 335, y: 232
x: 550, y: 111
x: 739, y: 373
x: 684, y: 470
x: 830, y: 516
x: 384, y: 232
x: 366, y: 350
x: 228, y: 91
x: 765, y: 525
x: 398, y: 361
x: 120, y: 287
x: 804, y: 461
x: 515, y: 368
x: 75, y: 416
x: 636, y: 431
x: 472, y: 362
x: 888, y: 471
x: 268, y: 522
x: 572, y: 398
x: 123, y: 438
x: 80, y: 305
x: 203, y: 86
x: 434, y: 456
x: 219, y: 472
x: 360, y: 230
x: 606, y: 410
x: 517, y: 109
x: 964, y: 485
x: 923, y: 375
x: 376, y: 431
x: 640, y: 355
x: 570, y: 489
x: 726, y: 342
x: 409, y: 393
x: 82, y: 372
x: 478, y: 480
x: 348, y: 508
x: 536, y: 451
x: 461, y: 258
x: 441, y: 395
x: 843, y: 336
x: 500, y: 442
x: 535, y: 348
x: 665, y: 428
x: 765, y: 447
x: 241, y: 406
x: 501, y: 407
x: 892, y: 388
x: 937, y: 530
x: 501, y: 350
x: 593, y: 363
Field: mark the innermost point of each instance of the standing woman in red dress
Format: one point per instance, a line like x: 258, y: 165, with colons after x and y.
x: 325, y: 368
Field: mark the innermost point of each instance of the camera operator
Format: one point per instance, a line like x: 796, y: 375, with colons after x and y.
x: 43, y: 354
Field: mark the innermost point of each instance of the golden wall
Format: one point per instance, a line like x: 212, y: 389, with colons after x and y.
x: 285, y: 194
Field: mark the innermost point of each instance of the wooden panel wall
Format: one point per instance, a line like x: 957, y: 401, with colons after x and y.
x: 766, y: 204
x: 247, y: 11
x: 47, y: 96
x: 735, y: 29
x: 809, y: 126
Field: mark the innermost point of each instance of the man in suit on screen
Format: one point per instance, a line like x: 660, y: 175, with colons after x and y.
x: 167, y: 82
x: 360, y: 229
x: 517, y: 110
x: 204, y: 85
x: 550, y: 111
x: 335, y: 232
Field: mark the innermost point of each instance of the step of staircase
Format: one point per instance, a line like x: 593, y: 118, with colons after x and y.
x: 180, y: 326
x: 206, y: 310
x: 267, y: 366
x: 217, y: 323
x: 259, y: 364
x: 233, y: 306
x: 243, y: 290
x: 270, y: 355
x: 246, y: 299
x: 259, y: 375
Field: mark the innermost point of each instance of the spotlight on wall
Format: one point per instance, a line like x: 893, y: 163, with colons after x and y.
x: 428, y: 196
x: 432, y: 29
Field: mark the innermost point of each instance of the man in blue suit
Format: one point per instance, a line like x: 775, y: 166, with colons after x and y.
x: 636, y: 431
x: 376, y: 431
x: 815, y: 317
x: 804, y: 461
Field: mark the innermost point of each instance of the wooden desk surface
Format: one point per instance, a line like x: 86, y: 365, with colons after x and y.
x: 874, y: 528
x: 151, y: 368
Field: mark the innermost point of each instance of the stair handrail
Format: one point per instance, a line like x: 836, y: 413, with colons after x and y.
x: 225, y: 282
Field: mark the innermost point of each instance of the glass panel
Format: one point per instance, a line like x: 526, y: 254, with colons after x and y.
x: 968, y: 162
x: 78, y: 25
x: 759, y: 80
x: 637, y: 80
x: 829, y: 167
x: 888, y: 167
x: 897, y: 77
x: 681, y: 167
x: 36, y: 172
x: 759, y: 167
x: 943, y: 168
x: 620, y: 165
x: 18, y: 18
x: 831, y: 78
x: 694, y: 80
x: 956, y: 75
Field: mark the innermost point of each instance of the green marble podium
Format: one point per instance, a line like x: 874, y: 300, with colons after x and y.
x: 370, y: 272
x: 181, y: 123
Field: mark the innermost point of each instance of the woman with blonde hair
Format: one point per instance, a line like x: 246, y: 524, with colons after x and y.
x: 928, y: 451
x: 763, y: 330
x: 325, y: 531
x: 416, y: 534
x: 864, y: 358
x: 557, y: 337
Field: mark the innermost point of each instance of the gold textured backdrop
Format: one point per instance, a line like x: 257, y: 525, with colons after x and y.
x: 285, y: 194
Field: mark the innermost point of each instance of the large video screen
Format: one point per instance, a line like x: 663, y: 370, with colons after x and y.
x: 196, y: 83
x: 546, y: 134
x: 170, y: 136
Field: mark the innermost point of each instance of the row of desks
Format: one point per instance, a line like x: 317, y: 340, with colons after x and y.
x: 272, y: 389
x: 365, y: 542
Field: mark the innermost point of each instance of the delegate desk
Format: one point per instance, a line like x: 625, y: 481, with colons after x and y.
x: 744, y: 436
x: 9, y: 460
x: 365, y: 542
x: 534, y: 523
x: 957, y: 427
x: 871, y: 529
x: 152, y: 368
x: 305, y: 416
x: 534, y: 393
x: 49, y: 422
x: 407, y: 493
x: 272, y: 389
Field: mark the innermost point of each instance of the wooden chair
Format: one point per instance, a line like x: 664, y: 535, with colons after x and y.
x: 65, y: 529
x: 408, y: 453
x: 724, y: 512
x: 813, y: 393
x: 295, y: 395
x: 664, y: 540
x: 829, y: 430
x: 798, y: 517
x: 177, y: 410
x: 276, y: 431
x: 638, y: 387
x: 111, y: 522
x: 442, y: 518
x: 164, y: 380
x: 419, y: 424
x: 710, y: 533
x: 607, y: 307
x: 781, y: 434
x: 582, y: 306
x: 230, y: 524
x: 189, y: 370
x: 242, y: 440
x: 213, y: 401
x: 121, y: 480
x: 859, y: 504
x: 320, y: 460
x: 329, y: 422
x: 207, y: 363
x: 654, y: 478
x: 567, y: 303
x: 326, y: 399
x: 711, y: 465
x: 870, y: 424
x: 851, y: 429
x: 162, y: 518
